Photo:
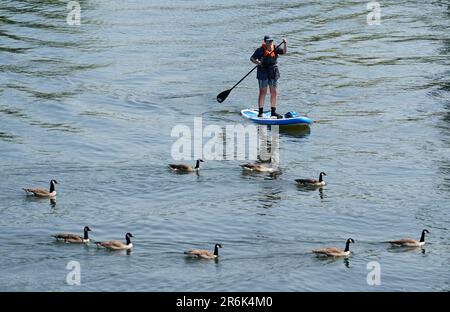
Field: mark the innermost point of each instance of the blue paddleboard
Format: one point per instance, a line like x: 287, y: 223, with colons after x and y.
x: 292, y: 118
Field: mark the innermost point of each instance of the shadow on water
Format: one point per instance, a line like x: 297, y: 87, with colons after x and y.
x: 177, y: 172
x: 73, y: 246
x: 274, y: 175
x: 329, y: 260
x: 189, y: 260
x: 127, y: 252
x: 35, y: 199
x: 307, y: 189
x: 296, y: 131
x: 266, y: 175
x: 395, y: 249
x: 269, y: 197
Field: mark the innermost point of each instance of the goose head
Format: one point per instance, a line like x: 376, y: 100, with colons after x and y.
x: 127, y: 238
x: 197, y: 164
x: 321, y: 176
x: 86, y: 235
x: 216, y: 249
x: 347, y: 245
x: 422, y: 237
x: 52, y: 185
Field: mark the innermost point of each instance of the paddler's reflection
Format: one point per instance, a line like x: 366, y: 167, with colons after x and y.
x: 265, y: 150
x: 268, y: 145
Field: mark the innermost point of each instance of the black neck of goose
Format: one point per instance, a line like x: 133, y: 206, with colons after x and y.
x: 197, y: 164
x: 86, y: 235
x: 422, y: 238
x: 320, y: 177
x: 52, y: 187
x: 347, y: 246
x: 216, y: 250
x: 128, y: 240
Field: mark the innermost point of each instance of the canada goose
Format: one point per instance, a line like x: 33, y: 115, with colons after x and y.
x: 312, y: 182
x: 73, y: 238
x: 335, y: 252
x: 257, y: 167
x: 408, y: 242
x: 204, y: 254
x: 42, y: 192
x: 186, y: 168
x: 117, y: 245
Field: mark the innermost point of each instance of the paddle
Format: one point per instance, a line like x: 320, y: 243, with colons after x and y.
x: 223, y: 95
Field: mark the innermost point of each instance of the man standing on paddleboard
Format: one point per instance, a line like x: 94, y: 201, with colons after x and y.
x: 268, y: 73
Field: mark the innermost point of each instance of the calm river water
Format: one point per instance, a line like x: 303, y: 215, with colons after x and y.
x: 94, y: 106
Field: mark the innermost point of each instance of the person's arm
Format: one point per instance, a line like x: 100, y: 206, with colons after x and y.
x: 284, y: 46
x: 256, y: 58
x: 255, y: 61
x: 282, y: 49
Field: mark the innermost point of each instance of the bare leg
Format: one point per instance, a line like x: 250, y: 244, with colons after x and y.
x: 262, y: 97
x: 273, y: 102
x: 273, y: 96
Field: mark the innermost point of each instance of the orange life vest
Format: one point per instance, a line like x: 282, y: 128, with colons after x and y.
x: 272, y: 53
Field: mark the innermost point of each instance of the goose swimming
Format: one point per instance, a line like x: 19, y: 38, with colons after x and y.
x: 204, y: 254
x: 257, y: 167
x: 409, y: 242
x: 117, y: 245
x: 312, y: 182
x: 186, y: 168
x: 40, y: 192
x: 74, y: 238
x: 335, y: 252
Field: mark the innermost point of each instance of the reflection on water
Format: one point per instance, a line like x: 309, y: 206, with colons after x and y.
x: 321, y: 192
x: 329, y: 260
x: 397, y: 249
x: 37, y: 199
x: 306, y: 189
x: 347, y: 262
x: 274, y: 175
x: 300, y: 131
x: 309, y: 188
x: 192, y: 260
x: 269, y: 196
x: 268, y: 144
x: 127, y: 252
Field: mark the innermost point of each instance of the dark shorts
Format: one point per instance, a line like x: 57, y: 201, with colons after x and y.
x: 267, y: 82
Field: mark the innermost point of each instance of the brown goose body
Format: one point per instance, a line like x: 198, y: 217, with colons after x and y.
x: 117, y: 245
x: 312, y: 182
x: 409, y: 242
x: 257, y: 167
x: 40, y: 192
x: 204, y: 254
x: 185, y: 167
x: 335, y: 252
x: 74, y: 238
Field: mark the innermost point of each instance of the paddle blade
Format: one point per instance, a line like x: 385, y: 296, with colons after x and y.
x: 223, y: 95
